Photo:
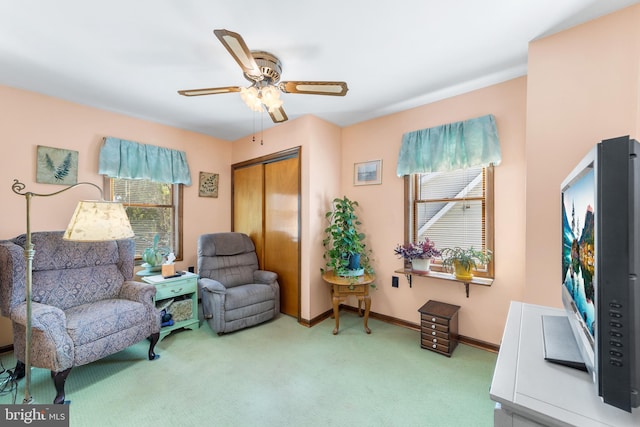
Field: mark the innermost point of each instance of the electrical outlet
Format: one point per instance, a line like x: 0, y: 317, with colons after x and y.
x: 394, y: 281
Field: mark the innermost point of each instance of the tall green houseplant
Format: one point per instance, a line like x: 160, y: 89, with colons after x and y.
x: 345, y: 249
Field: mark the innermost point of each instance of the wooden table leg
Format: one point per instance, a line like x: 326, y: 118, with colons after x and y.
x: 336, y: 313
x: 367, y: 307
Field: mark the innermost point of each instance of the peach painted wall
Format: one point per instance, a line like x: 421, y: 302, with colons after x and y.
x: 482, y: 315
x: 582, y: 88
x: 320, y: 183
x: 28, y: 119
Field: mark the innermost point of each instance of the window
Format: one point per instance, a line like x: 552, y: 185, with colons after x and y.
x: 452, y: 209
x: 153, y: 208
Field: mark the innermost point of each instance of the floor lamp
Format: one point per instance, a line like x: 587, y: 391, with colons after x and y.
x: 92, y: 221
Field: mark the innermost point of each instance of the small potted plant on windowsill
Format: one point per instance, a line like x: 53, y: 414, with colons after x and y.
x: 419, y: 254
x: 464, y: 261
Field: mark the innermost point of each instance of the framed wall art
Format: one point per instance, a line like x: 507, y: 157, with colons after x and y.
x: 367, y: 173
x: 56, y: 166
x: 209, y: 184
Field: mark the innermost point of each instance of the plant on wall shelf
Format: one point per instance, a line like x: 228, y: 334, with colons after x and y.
x: 419, y: 254
x: 463, y: 261
x: 345, y: 249
x: 421, y: 250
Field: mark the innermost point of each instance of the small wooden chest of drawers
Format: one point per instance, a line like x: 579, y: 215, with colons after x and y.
x: 439, y: 327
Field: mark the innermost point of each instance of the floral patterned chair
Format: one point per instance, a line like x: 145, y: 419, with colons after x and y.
x: 85, y: 305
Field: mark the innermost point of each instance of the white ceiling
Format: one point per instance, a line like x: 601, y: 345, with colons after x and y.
x: 131, y: 56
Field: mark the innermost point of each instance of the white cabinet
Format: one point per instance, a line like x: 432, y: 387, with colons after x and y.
x: 530, y: 391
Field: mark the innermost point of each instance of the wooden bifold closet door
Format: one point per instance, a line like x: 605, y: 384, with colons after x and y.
x: 266, y: 206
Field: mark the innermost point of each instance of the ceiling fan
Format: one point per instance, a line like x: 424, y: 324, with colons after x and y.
x: 263, y: 70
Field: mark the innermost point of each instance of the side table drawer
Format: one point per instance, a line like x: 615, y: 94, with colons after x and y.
x: 173, y: 289
x: 340, y: 290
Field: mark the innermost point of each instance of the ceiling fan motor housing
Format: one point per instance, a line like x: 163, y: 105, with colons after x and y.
x: 270, y: 66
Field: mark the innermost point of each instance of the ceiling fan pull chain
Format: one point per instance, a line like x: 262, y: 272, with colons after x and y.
x: 262, y: 127
x: 253, y: 116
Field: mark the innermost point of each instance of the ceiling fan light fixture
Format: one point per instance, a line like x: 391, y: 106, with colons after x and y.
x: 270, y: 96
x: 255, y: 98
x: 251, y: 97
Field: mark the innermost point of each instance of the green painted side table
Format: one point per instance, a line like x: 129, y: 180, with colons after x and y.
x: 174, y: 288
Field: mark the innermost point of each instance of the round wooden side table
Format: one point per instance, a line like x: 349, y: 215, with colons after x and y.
x: 342, y: 287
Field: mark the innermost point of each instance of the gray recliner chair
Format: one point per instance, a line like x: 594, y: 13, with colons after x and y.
x: 235, y: 293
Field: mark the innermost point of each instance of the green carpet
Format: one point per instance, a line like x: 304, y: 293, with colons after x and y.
x: 279, y: 374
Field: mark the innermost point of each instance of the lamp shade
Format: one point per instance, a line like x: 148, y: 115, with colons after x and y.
x: 95, y: 221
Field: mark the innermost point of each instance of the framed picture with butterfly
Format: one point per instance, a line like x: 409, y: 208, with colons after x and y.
x: 56, y: 166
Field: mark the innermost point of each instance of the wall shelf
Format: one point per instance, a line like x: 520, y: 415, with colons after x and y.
x: 408, y: 273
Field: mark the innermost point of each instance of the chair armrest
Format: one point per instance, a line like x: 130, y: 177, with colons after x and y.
x: 266, y: 277
x: 211, y: 285
x: 43, y: 317
x: 51, y: 346
x: 138, y: 291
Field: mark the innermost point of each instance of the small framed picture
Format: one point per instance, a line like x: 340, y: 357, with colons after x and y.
x: 209, y: 184
x: 367, y: 173
x: 56, y: 166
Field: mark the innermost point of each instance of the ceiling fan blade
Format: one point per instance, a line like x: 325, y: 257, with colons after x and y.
x: 236, y: 46
x: 209, y: 91
x: 315, y: 88
x: 278, y: 115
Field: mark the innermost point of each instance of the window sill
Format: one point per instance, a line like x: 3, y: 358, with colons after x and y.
x: 483, y: 281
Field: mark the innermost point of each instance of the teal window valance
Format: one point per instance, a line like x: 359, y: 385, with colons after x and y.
x: 127, y: 159
x: 453, y: 146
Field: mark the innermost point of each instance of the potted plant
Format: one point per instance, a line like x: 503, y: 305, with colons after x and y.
x: 463, y: 261
x: 153, y: 257
x: 345, y: 250
x: 419, y: 254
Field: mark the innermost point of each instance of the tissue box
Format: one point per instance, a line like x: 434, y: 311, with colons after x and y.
x: 168, y: 269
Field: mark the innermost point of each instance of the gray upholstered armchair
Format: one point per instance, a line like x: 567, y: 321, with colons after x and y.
x: 85, y: 304
x: 235, y: 293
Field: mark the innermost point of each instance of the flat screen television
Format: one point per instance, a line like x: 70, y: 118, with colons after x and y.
x: 600, y: 267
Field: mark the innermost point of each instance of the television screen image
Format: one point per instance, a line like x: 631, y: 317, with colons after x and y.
x: 578, y: 246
